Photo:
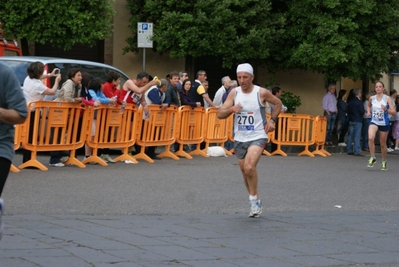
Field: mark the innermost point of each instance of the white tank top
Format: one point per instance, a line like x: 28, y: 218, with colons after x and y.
x: 249, y: 123
x: 378, y: 115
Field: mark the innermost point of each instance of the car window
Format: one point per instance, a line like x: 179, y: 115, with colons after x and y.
x: 94, y: 71
x: 19, y: 68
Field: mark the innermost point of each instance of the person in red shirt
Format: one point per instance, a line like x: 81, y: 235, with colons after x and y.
x: 111, y: 86
x: 111, y: 90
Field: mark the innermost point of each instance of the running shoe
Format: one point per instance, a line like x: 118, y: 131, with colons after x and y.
x: 384, y: 166
x: 255, y: 208
x: 390, y: 150
x: 107, y: 158
x: 1, y: 213
x: 371, y: 163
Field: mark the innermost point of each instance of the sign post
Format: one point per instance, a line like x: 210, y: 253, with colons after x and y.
x: 144, y: 35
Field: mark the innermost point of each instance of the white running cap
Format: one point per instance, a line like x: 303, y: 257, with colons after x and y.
x: 245, y: 67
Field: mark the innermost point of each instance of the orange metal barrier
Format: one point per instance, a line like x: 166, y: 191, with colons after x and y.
x: 55, y: 129
x: 111, y: 129
x: 320, y: 129
x: 190, y: 130
x: 294, y: 130
x: 17, y: 144
x: 216, y: 129
x: 158, y: 130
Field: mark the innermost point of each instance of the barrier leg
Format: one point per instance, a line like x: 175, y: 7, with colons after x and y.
x: 168, y: 153
x: 73, y: 160
x: 126, y: 156
x: 33, y: 162
x: 265, y: 152
x: 278, y: 151
x: 321, y: 151
x: 143, y: 155
x: 182, y: 153
x: 14, y: 169
x: 306, y: 152
x: 198, y: 151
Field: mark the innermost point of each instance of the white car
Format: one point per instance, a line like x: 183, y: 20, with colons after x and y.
x: 95, y: 69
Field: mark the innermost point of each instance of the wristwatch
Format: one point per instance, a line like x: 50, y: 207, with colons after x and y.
x: 273, y: 119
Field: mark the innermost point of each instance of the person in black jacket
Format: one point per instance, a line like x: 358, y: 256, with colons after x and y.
x: 355, y: 116
x: 342, y: 117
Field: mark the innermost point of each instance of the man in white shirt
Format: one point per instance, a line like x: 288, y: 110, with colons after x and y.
x: 217, y: 100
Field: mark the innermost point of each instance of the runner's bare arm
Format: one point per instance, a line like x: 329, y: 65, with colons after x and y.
x: 130, y: 85
x: 228, y: 106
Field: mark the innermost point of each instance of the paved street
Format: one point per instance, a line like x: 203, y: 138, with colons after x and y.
x: 316, y: 212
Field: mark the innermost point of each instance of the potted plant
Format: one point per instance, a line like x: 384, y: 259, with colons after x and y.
x: 291, y: 101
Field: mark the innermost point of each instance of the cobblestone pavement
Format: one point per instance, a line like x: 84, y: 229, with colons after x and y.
x: 317, y: 212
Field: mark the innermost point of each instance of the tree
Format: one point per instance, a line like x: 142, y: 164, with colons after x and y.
x: 235, y: 30
x: 62, y: 23
x: 339, y: 38
x: 342, y: 38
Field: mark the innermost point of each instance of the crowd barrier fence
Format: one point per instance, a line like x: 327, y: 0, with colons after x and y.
x: 190, y: 130
x: 17, y: 144
x: 109, y: 127
x: 320, y: 128
x: 157, y: 130
x: 56, y: 127
x: 294, y: 130
x: 216, y: 130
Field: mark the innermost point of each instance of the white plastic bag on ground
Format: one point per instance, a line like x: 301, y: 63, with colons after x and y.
x: 216, y: 151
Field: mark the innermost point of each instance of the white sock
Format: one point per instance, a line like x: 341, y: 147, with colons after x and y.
x: 253, y: 197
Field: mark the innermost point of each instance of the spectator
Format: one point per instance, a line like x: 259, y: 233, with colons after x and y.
x: 355, y: 116
x: 110, y: 89
x: 205, y: 84
x: 330, y: 111
x: 13, y: 110
x: 379, y: 107
x: 198, y: 92
x: 132, y: 89
x: 131, y: 93
x: 395, y: 130
x: 342, y: 117
x: 365, y: 125
x: 111, y: 85
x: 217, y: 100
x: 156, y: 96
x: 172, y: 93
x: 232, y: 84
x: 183, y: 75
x: 96, y: 94
x: 185, y: 95
x: 390, y: 140
x: 34, y: 89
x: 70, y: 92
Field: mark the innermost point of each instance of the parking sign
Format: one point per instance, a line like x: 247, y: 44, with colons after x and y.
x: 144, y: 34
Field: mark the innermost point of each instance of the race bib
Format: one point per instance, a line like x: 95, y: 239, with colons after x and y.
x: 378, y: 115
x: 245, y: 121
x: 136, y: 98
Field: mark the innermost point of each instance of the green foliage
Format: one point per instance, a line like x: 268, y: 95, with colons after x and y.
x: 338, y: 38
x: 235, y: 30
x: 61, y: 23
x: 342, y: 38
x: 291, y: 101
